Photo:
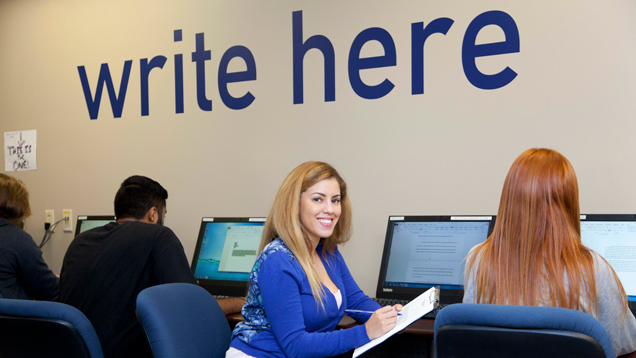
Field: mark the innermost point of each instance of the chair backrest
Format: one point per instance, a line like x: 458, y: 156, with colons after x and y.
x: 481, y: 330
x: 183, y: 320
x: 45, y: 329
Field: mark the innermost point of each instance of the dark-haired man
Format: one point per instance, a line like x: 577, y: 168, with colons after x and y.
x: 105, y: 268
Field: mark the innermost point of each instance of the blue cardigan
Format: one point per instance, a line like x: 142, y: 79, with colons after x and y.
x: 282, y: 319
x: 23, y: 272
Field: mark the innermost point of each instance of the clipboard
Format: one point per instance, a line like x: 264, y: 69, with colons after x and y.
x: 414, y: 310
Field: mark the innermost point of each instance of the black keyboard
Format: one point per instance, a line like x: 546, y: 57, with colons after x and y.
x: 434, y: 312
x: 390, y: 302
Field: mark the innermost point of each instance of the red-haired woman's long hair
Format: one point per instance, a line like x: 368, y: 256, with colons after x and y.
x: 534, y: 255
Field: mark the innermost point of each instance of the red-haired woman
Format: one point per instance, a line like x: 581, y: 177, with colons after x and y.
x: 23, y: 272
x: 534, y: 256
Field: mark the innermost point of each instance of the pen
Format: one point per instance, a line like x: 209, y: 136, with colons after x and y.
x: 365, y: 312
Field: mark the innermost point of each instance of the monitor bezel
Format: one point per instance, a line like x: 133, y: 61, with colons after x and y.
x: 409, y: 293
x: 231, y: 288
x: 82, y: 218
x: 613, y: 217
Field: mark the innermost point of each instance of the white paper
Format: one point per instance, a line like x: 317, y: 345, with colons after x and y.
x: 20, y: 151
x: 413, y: 311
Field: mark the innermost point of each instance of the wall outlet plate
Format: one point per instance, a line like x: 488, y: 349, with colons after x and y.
x: 49, y: 216
x: 67, y: 214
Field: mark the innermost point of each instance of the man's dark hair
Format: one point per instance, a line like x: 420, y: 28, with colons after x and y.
x: 137, y: 195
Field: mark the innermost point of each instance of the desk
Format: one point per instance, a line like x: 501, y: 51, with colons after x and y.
x: 416, y: 341
x: 424, y: 329
x: 233, y: 319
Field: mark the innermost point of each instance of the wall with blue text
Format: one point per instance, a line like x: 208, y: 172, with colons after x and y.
x: 422, y: 106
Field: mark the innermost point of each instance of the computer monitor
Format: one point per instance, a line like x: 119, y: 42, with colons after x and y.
x: 87, y: 222
x: 225, y: 252
x: 613, y: 236
x: 421, y: 252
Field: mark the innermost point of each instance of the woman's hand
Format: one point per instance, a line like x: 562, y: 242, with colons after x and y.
x: 381, y: 321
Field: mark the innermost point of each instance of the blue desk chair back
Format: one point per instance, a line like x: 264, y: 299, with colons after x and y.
x: 45, y: 329
x: 481, y: 330
x: 183, y: 320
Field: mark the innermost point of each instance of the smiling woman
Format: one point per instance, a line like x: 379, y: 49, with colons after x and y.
x: 300, y: 285
x: 320, y: 209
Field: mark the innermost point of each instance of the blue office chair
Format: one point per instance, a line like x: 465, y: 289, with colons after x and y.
x: 183, y: 320
x: 480, y: 330
x: 45, y: 329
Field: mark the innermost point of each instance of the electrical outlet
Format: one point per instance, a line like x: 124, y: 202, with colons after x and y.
x: 67, y: 214
x: 49, y: 216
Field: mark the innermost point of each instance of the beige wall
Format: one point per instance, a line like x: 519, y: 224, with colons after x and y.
x: 444, y: 152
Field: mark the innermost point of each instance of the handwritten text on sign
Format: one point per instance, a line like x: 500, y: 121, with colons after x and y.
x: 19, y: 151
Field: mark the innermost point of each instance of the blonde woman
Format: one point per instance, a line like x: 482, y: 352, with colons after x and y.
x: 534, y: 256
x: 300, y: 284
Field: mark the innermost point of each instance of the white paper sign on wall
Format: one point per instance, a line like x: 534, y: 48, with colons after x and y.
x: 20, y: 151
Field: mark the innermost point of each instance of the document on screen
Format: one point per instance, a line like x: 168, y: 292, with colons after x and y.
x: 423, y: 304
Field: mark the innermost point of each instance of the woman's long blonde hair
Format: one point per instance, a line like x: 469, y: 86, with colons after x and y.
x: 534, y: 255
x: 284, y: 219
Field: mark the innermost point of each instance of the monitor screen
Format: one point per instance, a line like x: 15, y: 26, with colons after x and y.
x: 87, y: 222
x: 614, y: 238
x: 425, y: 251
x: 225, y: 253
